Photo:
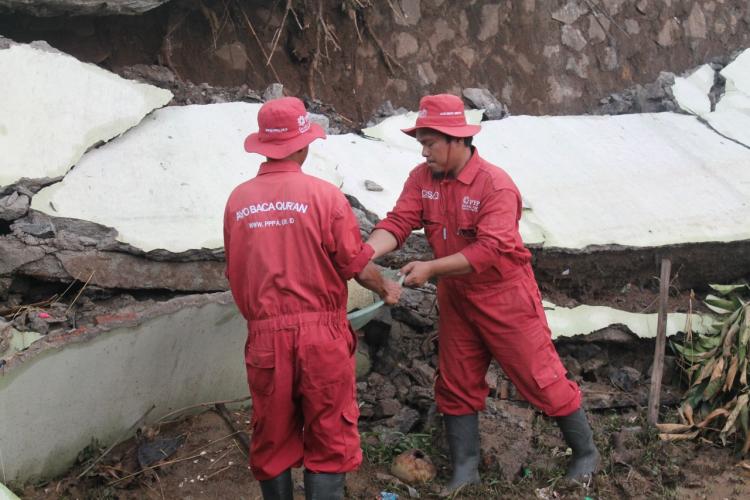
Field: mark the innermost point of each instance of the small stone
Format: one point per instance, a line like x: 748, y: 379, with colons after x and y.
x: 321, y: 120
x: 14, y: 206
x: 273, y: 91
x: 387, y: 408
x: 405, y: 420
x: 624, y: 378
x: 596, y: 33
x: 573, y: 38
x: 610, y: 60
x: 483, y: 99
x: 641, y: 6
x: 668, y: 32
x: 569, y: 13
x: 696, y: 23
x: 373, y: 186
x: 632, y: 26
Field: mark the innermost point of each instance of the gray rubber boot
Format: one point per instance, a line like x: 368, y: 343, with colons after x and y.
x: 278, y: 488
x: 463, y: 441
x: 579, y: 437
x: 324, y: 486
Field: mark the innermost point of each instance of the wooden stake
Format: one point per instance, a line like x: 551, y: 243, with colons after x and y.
x: 661, y: 338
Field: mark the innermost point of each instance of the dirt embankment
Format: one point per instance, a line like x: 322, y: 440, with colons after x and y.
x: 553, y: 57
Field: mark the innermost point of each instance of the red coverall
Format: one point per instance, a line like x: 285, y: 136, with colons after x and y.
x: 291, y: 243
x: 495, y: 311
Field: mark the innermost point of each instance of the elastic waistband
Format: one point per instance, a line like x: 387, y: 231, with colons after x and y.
x: 294, y: 320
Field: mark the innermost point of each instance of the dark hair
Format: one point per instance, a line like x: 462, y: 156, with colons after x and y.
x: 466, y: 140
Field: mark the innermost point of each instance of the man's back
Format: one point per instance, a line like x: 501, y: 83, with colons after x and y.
x: 289, y: 238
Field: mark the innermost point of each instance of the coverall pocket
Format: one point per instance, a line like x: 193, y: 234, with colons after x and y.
x: 351, y: 413
x: 329, y: 363
x: 549, y: 369
x: 260, y: 365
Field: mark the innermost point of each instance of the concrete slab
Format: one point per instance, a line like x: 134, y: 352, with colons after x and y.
x: 96, y: 383
x: 691, y: 92
x: 54, y: 107
x: 164, y: 184
x: 631, y: 180
x: 584, y: 319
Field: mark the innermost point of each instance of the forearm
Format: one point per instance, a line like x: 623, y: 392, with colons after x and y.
x: 451, y: 265
x: 371, y: 279
x: 382, y: 242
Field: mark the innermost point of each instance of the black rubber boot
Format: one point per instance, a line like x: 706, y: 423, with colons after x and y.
x: 579, y: 437
x: 278, y: 488
x: 463, y: 440
x: 324, y: 486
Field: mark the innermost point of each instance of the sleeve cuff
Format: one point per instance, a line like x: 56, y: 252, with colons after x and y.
x: 358, y: 263
x: 474, y: 256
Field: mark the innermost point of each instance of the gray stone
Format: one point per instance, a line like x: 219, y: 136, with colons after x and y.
x: 405, y: 420
x: 579, y: 65
x: 613, y: 6
x: 596, y: 32
x: 570, y: 12
x: 695, y: 27
x: 610, y: 60
x: 387, y: 408
x: 573, y: 38
x: 410, y: 13
x: 624, y: 378
x: 406, y: 45
x: 48, y: 8
x: 490, y: 22
x: 273, y: 91
x: 668, y: 33
x: 632, y: 26
x: 642, y: 6
x: 14, y: 206
x: 321, y: 120
x: 373, y: 186
x: 483, y: 99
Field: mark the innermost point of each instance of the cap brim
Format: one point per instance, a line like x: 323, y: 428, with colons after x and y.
x: 463, y: 131
x: 282, y: 149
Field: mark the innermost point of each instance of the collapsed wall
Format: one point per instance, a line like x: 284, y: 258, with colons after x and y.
x: 110, y: 265
x: 552, y: 57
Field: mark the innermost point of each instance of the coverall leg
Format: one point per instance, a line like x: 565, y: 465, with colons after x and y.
x: 302, y: 381
x: 505, y: 321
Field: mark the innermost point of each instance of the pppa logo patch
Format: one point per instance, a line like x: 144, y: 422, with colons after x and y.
x: 470, y: 205
x: 422, y: 113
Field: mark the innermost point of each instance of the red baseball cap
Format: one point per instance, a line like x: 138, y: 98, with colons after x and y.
x: 444, y: 113
x: 285, y: 127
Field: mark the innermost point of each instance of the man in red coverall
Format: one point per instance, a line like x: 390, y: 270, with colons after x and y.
x: 490, y: 306
x: 291, y: 243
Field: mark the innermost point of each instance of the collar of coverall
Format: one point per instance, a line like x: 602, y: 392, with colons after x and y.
x: 470, y: 170
x: 270, y: 167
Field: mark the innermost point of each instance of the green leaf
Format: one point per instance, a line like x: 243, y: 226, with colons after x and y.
x: 727, y: 289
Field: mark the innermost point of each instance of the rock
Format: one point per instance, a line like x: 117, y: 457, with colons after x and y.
x: 490, y: 22
x: 632, y: 26
x: 150, y: 73
x: 596, y: 32
x: 363, y: 363
x: 573, y: 38
x: 413, y: 467
x: 610, y: 60
x: 14, y: 206
x: 409, y: 14
x: 668, y: 33
x: 412, y: 318
x: 49, y: 8
x: 373, y: 186
x: 506, y: 438
x: 321, y: 120
x: 695, y: 26
x: 406, y: 45
x: 483, y: 99
x: 624, y: 378
x: 579, y: 65
x: 570, y: 12
x: 423, y: 373
x: 37, y: 225
x: 273, y: 91
x: 642, y: 6
x: 405, y: 420
x: 387, y: 408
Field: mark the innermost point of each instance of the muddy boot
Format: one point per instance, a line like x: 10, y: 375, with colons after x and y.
x: 580, y: 439
x: 278, y: 488
x: 324, y: 486
x: 463, y: 441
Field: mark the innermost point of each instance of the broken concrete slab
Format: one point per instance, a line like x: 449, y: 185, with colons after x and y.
x: 164, y: 184
x: 174, y: 354
x: 49, y: 8
x: 582, y: 320
x: 56, y: 107
x: 691, y: 92
x: 599, y: 180
x: 13, y: 206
